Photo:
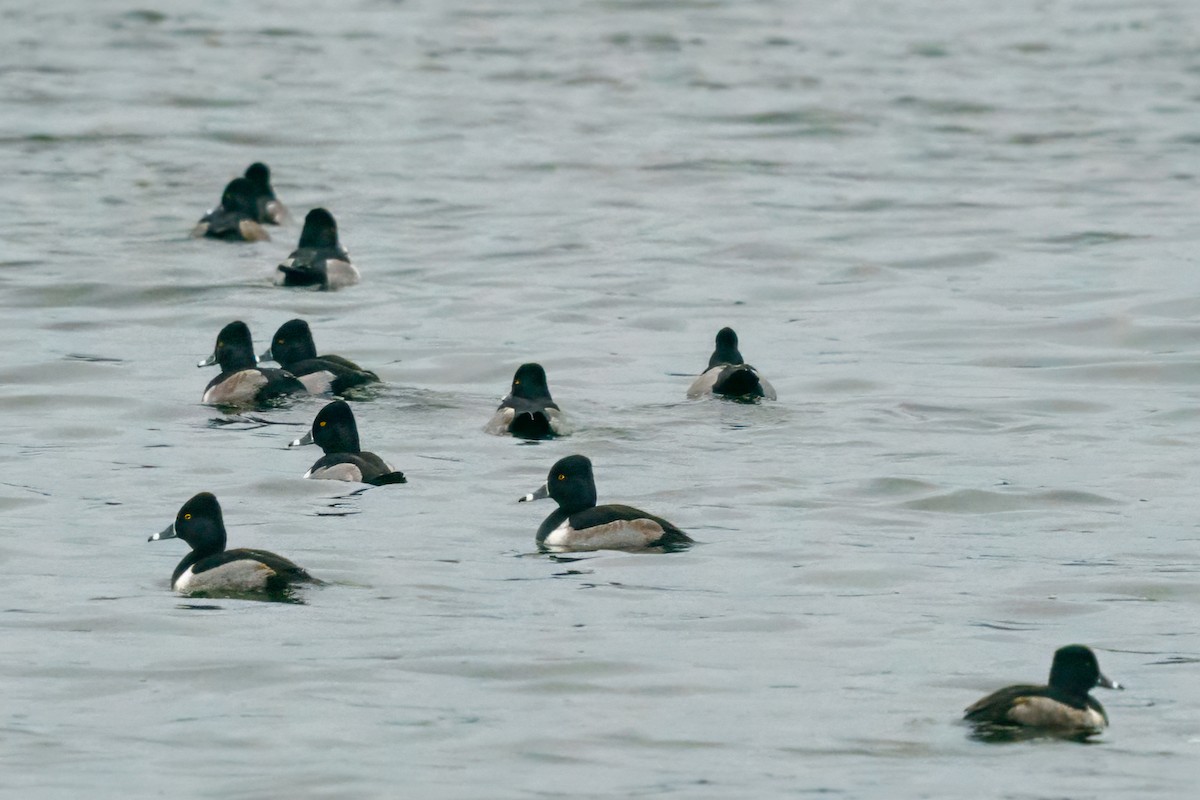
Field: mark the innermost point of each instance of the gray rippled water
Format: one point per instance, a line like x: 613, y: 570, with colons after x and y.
x: 959, y: 239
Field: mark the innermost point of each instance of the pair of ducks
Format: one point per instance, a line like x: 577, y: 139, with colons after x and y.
x: 530, y: 412
x: 249, y: 202
x: 578, y: 523
x: 242, y: 382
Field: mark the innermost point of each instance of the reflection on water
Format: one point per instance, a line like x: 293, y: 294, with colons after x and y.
x: 279, y: 596
x: 1009, y: 734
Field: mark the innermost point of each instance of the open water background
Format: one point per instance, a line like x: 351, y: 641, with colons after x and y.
x: 960, y: 238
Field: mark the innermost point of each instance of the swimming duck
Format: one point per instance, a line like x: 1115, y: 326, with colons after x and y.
x: 241, y: 381
x: 293, y: 348
x: 319, y: 259
x: 528, y: 411
x: 729, y: 375
x: 236, y: 218
x: 335, y: 431
x: 1062, y: 706
x: 580, y: 524
x: 211, y: 569
x: 266, y: 205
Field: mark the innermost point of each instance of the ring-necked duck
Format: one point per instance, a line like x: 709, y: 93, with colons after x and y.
x: 729, y: 375
x: 528, y: 412
x: 580, y: 524
x: 344, y: 460
x: 319, y: 259
x: 294, y: 350
x: 241, y: 381
x: 236, y: 218
x: 1062, y: 706
x: 211, y: 569
x: 266, y: 205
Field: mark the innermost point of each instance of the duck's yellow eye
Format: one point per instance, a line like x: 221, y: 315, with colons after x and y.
x: 322, y: 423
x: 279, y: 341
x: 562, y: 477
x: 516, y: 383
x: 187, y: 516
x: 220, y: 343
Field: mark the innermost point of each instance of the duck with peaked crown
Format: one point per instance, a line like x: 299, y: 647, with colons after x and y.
x: 267, y: 207
x: 528, y: 412
x: 728, y: 375
x: 293, y: 348
x: 336, y: 432
x: 319, y: 260
x: 242, y: 382
x: 236, y: 218
x: 1062, y: 706
x: 211, y: 569
x: 579, y: 524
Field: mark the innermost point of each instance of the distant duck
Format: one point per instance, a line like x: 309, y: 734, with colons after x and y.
x: 236, y: 218
x: 211, y: 569
x: 1062, y: 706
x: 319, y: 259
x: 335, y: 431
x: 528, y: 411
x: 580, y: 524
x: 293, y: 348
x: 267, y: 207
x: 242, y: 382
x: 728, y: 374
